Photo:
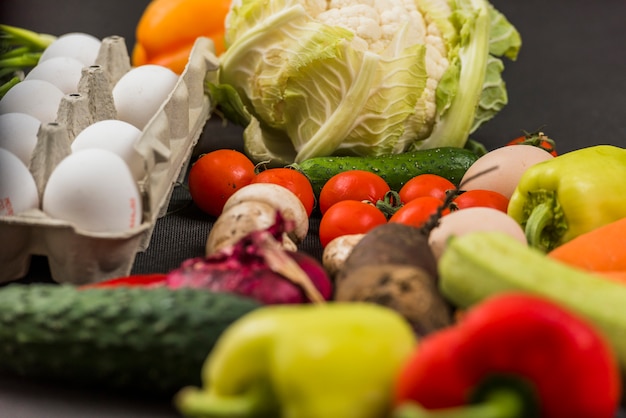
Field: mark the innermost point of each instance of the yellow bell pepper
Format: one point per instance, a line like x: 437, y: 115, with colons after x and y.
x: 335, y: 360
x: 557, y: 200
x: 167, y: 30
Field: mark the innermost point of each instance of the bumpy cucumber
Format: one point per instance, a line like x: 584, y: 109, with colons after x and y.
x: 481, y: 264
x: 143, y: 341
x: 396, y: 169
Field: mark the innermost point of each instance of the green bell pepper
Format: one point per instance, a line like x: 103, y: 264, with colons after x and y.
x: 559, y: 199
x: 304, y: 361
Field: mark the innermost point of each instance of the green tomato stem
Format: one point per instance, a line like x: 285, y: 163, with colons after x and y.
x: 500, y: 404
x: 390, y: 204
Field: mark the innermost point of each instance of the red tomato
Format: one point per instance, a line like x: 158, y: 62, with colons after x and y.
x: 215, y: 176
x: 538, y: 139
x: 349, y: 217
x: 480, y: 198
x: 418, y: 211
x: 291, y: 179
x: 352, y: 185
x: 425, y: 185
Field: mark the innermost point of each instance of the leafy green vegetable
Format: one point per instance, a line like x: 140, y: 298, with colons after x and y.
x: 20, y: 49
x: 314, y: 79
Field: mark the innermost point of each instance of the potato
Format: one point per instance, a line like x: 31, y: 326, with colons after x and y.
x: 392, y: 243
x: 393, y: 265
x: 407, y: 289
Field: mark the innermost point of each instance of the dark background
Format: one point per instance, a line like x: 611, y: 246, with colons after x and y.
x: 569, y: 77
x: 569, y: 80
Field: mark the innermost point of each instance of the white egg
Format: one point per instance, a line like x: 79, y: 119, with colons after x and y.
x: 94, y: 190
x: 500, y: 169
x: 472, y: 219
x: 114, y: 135
x: 18, y: 190
x: 18, y: 134
x: 63, y: 72
x: 37, y: 98
x: 140, y: 92
x: 81, y: 46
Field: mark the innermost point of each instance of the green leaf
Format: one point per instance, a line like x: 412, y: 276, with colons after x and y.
x: 504, y: 40
x: 493, y: 96
x: 229, y: 103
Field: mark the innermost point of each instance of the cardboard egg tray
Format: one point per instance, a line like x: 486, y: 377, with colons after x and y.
x: 166, y: 144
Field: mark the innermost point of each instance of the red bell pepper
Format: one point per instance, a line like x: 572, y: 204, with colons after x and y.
x: 145, y: 280
x: 513, y: 355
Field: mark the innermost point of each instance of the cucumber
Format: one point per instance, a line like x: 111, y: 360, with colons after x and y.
x: 396, y: 169
x: 143, y: 341
x: 481, y: 264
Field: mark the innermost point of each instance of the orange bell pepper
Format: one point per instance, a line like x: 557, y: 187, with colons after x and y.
x: 167, y: 30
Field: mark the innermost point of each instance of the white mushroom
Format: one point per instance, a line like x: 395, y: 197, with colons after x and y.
x: 337, y: 250
x: 279, y: 198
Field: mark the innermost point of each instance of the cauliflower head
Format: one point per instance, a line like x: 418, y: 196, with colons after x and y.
x: 345, y: 77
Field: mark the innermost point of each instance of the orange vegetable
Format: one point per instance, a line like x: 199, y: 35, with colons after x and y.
x: 601, y: 249
x: 615, y: 275
x: 167, y: 30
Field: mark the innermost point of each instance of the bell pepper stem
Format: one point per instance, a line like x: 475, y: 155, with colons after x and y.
x: 195, y: 402
x: 499, y: 404
x: 540, y: 217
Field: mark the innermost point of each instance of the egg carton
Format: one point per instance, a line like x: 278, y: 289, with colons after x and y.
x: 166, y: 144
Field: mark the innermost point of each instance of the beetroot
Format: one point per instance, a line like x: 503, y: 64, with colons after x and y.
x: 257, y: 266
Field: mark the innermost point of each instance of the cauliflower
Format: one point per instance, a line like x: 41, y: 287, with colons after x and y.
x: 375, y: 23
x: 312, y: 77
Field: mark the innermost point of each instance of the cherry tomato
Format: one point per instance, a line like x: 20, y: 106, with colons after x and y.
x: 538, y: 139
x: 425, y: 185
x: 352, y: 185
x: 418, y: 211
x: 291, y: 179
x: 349, y: 217
x: 480, y: 198
x: 215, y: 176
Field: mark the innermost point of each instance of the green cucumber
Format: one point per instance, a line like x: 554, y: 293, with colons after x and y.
x: 396, y: 169
x: 144, y: 341
x: 477, y: 265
